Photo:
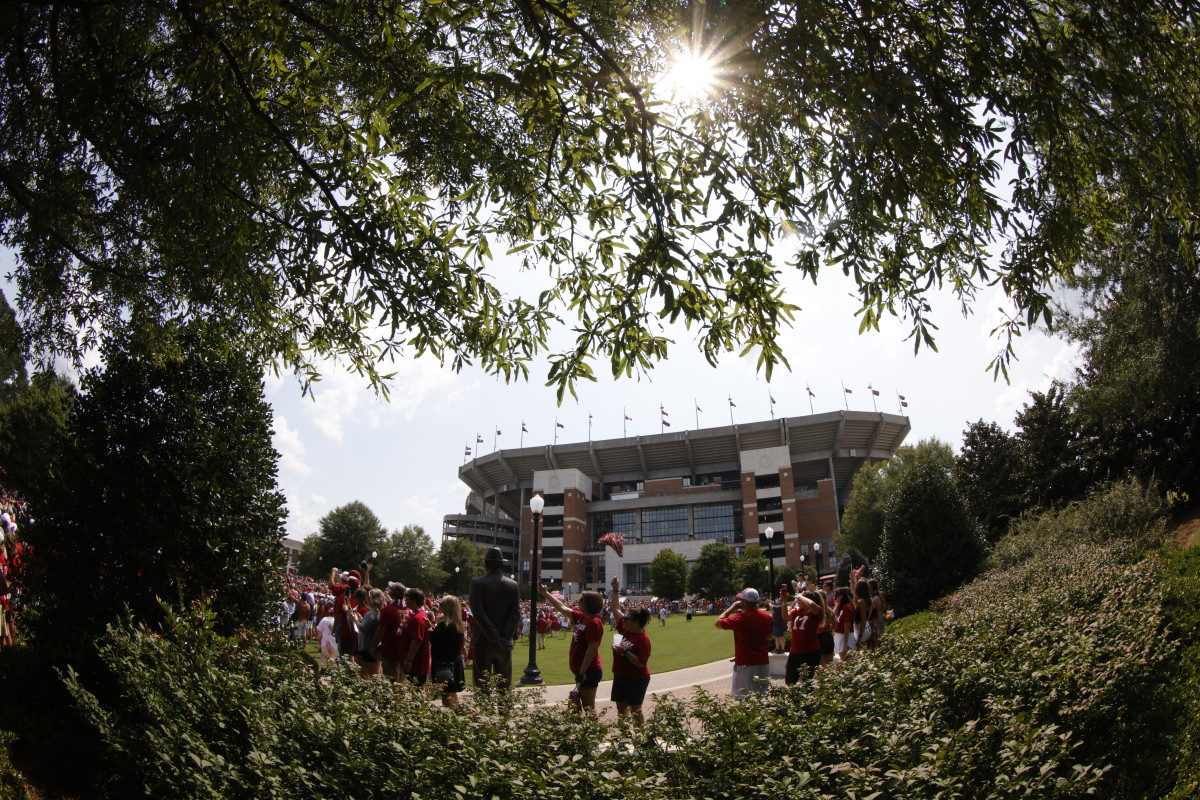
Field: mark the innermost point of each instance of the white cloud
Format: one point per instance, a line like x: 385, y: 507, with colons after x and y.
x: 290, y: 446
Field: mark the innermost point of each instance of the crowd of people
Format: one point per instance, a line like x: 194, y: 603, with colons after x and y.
x: 14, y: 512
x: 402, y: 634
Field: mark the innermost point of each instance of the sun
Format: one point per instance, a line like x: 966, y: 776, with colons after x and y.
x: 691, y: 78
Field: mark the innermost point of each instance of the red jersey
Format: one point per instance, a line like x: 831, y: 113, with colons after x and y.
x: 390, y: 619
x: 751, y: 636
x: 639, y: 643
x: 415, y: 628
x: 587, y: 630
x: 804, y: 630
x: 845, y: 619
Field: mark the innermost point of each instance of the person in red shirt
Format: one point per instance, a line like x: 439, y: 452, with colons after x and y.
x: 386, y: 646
x: 751, y: 628
x: 804, y: 618
x: 843, y: 625
x: 584, y: 657
x: 344, y: 624
x: 543, y: 625
x: 631, y: 658
x: 414, y: 638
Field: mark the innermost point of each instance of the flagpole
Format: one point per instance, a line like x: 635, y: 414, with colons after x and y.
x: 589, y: 426
x: 696, y: 403
x: 556, y: 429
x: 873, y: 393
x: 731, y: 408
x: 495, y: 438
x: 624, y: 423
x: 845, y: 399
x: 810, y: 397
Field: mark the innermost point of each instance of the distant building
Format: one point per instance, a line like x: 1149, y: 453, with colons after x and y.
x: 291, y: 547
x: 675, y: 491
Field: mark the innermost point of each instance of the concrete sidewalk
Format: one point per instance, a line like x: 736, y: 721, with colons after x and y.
x: 714, y: 678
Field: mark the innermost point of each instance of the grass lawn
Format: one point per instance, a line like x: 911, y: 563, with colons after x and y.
x: 679, y: 645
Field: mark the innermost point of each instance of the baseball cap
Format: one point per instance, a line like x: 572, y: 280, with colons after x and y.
x: 749, y: 595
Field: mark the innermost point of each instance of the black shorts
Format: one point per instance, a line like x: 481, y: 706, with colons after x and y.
x: 825, y: 638
x: 631, y: 691
x: 590, y: 679
x: 800, y: 663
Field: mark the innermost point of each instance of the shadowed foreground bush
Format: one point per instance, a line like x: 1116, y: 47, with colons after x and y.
x: 1071, y: 673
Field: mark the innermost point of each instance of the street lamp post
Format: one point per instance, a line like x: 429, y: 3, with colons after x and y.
x: 817, y: 558
x: 768, y: 537
x: 533, y: 675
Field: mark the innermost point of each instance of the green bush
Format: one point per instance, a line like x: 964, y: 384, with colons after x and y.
x: 1129, y: 511
x: 1071, y: 673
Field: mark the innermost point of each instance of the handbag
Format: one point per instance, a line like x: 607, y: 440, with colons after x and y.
x: 443, y: 671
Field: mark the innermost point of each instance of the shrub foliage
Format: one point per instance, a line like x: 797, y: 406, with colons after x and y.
x: 1067, y: 674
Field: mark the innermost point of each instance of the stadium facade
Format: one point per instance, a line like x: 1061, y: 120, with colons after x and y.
x: 675, y: 491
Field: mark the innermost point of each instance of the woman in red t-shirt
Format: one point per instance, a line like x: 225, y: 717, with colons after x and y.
x: 631, y: 658
x: 805, y: 617
x: 584, y: 658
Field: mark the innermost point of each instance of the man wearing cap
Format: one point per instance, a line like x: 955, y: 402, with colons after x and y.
x: 495, y: 618
x: 751, y: 628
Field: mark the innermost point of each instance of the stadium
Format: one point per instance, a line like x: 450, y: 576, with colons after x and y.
x: 675, y: 491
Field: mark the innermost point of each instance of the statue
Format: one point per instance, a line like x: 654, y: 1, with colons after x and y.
x: 495, y: 620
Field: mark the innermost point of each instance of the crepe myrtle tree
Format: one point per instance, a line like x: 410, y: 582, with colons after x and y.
x: 464, y: 179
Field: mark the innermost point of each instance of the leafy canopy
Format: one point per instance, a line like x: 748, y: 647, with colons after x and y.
x: 338, y: 178
x: 713, y: 574
x: 668, y: 575
x: 346, y: 537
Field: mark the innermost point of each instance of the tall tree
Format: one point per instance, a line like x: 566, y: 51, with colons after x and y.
x: 168, y: 492
x: 668, y: 575
x: 931, y: 542
x: 345, y: 538
x: 712, y: 575
x: 989, y: 475
x: 862, y: 523
x: 1053, y: 471
x: 750, y: 568
x: 407, y: 556
x: 1136, y: 397
x: 460, y: 561
x: 354, y: 172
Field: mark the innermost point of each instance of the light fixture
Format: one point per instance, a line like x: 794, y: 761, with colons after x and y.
x: 533, y: 675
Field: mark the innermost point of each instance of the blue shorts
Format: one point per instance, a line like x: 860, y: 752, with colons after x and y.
x: 631, y: 691
x: 590, y: 679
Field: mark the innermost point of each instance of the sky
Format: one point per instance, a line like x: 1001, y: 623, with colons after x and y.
x: 401, y: 457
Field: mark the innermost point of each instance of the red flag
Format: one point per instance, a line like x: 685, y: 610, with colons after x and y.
x: 664, y: 411
x: 468, y: 452
x: 629, y: 418
x: 559, y: 425
x: 903, y: 404
x: 772, y: 399
x: 478, y: 439
x: 810, y: 392
x: 664, y: 422
x: 847, y: 391
x: 900, y: 396
x: 875, y: 392
x: 732, y: 404
x: 523, y: 428
x: 614, y: 540
x: 498, y: 433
